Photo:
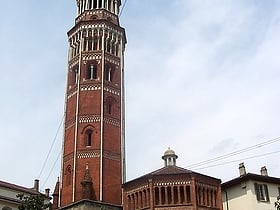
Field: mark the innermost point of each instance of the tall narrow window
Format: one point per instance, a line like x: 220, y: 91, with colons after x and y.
x: 95, y: 41
x: 91, y: 72
x: 90, y: 44
x: 110, y: 106
x: 261, y: 192
x: 88, y: 138
x: 109, y: 74
x: 95, y: 4
x: 89, y: 4
x: 68, y: 173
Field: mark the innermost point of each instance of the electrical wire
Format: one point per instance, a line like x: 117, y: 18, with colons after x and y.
x: 50, y: 172
x: 54, y: 140
x: 233, y: 161
x: 247, y: 149
x: 59, y: 154
x: 123, y: 7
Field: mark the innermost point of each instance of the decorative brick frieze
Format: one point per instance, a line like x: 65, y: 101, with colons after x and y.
x: 172, y: 183
x: 206, y: 186
x: 69, y: 124
x: 90, y: 87
x: 112, y: 90
x: 88, y: 154
x: 112, y: 156
x: 112, y: 121
x: 112, y: 59
x: 71, y: 93
x: 97, y: 13
x: 89, y: 118
x: 68, y: 157
x: 73, y: 62
x: 91, y: 56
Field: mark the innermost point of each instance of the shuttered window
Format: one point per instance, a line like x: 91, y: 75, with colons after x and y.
x: 261, y: 192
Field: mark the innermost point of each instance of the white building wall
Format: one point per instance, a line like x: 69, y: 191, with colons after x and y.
x: 243, y: 197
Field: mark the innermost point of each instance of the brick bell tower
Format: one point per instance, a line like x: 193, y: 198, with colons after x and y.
x: 93, y: 164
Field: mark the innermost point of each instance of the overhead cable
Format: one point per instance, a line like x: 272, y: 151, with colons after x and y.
x: 247, y: 149
x: 233, y: 161
x: 47, y: 157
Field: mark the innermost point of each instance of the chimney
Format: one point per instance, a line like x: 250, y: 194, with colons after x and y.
x: 47, y: 192
x: 242, y: 170
x: 264, y: 171
x: 36, y: 185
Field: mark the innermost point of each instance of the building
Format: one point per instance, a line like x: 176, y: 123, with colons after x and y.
x: 250, y: 191
x: 93, y: 162
x: 9, y: 192
x: 172, y: 187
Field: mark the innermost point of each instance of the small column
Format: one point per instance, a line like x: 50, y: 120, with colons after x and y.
x: 166, y: 195
x: 179, y: 195
x: 172, y: 195
x: 160, y: 198
x: 151, y: 194
x: 148, y: 204
x: 185, y: 194
x: 78, y: 8
x: 193, y: 194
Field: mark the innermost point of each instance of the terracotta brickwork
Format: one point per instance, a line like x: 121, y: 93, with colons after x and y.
x: 172, y: 187
x: 177, y: 189
x: 93, y: 143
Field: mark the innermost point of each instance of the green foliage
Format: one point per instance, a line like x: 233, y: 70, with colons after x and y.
x: 32, y: 202
x: 277, y: 203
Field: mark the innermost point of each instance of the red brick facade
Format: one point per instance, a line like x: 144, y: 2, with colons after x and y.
x: 173, y: 187
x: 93, y: 136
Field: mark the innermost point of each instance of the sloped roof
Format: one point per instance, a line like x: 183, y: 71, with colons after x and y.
x: 18, y: 188
x: 170, y: 170
x: 250, y: 176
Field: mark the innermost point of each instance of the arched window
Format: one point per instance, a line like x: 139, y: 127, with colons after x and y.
x: 110, y: 105
x: 88, y: 138
x: 68, y: 173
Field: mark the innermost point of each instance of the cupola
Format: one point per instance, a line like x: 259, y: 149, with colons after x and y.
x: 169, y: 158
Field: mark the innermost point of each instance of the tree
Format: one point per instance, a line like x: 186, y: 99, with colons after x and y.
x: 277, y: 203
x: 32, y: 202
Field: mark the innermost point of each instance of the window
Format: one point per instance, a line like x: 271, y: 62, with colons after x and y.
x: 261, y: 192
x: 91, y: 72
x: 68, y: 173
x: 110, y: 108
x: 109, y: 74
x: 88, y: 138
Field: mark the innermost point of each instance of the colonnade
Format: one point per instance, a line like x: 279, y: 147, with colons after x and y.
x: 92, y: 41
x: 172, y: 195
x: 139, y: 199
x: 110, y: 5
x: 206, y: 196
x: 165, y: 195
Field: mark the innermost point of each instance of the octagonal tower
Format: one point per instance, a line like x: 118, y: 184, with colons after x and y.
x: 93, y: 164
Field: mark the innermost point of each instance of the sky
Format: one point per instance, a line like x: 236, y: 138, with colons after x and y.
x: 201, y: 77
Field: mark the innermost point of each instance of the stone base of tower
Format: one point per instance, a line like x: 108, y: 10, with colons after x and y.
x: 91, y: 205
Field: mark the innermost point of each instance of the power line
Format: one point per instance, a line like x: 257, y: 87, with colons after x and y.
x: 123, y: 7
x: 233, y: 161
x: 46, y: 159
x: 52, y: 169
x: 247, y: 149
x: 60, y: 151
